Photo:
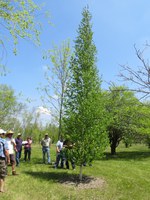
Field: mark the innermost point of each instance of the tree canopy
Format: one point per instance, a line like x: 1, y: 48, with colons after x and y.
x: 123, y: 110
x: 18, y: 18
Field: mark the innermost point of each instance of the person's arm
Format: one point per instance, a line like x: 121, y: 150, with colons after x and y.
x: 30, y: 141
x: 49, y: 142
x: 7, y: 156
x: 14, y: 144
x: 57, y: 149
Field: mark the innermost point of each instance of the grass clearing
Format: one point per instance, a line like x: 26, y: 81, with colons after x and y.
x: 126, y: 177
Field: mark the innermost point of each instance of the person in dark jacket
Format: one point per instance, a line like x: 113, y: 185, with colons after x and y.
x: 18, y: 141
x: 67, y: 146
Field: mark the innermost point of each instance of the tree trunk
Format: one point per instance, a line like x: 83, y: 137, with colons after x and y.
x: 113, y: 149
x: 80, y: 176
x: 126, y: 145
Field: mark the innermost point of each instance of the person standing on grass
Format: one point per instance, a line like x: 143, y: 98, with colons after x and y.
x: 59, y: 153
x: 18, y: 141
x: 27, y: 149
x: 12, y: 149
x: 4, y: 155
x: 46, y: 143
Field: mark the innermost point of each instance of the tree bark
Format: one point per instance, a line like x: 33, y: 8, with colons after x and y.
x: 113, y: 149
x: 80, y: 176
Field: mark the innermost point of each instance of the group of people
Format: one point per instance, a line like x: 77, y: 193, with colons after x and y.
x: 62, y: 156
x: 10, y: 153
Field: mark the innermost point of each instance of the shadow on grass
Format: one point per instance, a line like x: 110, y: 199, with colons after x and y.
x: 60, y: 177
x: 134, y: 155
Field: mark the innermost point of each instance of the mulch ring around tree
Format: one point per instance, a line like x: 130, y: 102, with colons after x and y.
x: 86, y: 183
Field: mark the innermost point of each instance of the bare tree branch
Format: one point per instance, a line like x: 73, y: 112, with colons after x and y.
x: 140, y: 78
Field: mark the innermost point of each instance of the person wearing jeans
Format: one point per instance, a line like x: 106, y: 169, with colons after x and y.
x: 18, y: 141
x: 59, y: 154
x: 45, y: 143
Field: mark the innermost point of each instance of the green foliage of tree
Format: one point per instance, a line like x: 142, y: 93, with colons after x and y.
x: 14, y: 115
x: 143, y: 123
x: 144, y: 118
x: 84, y: 120
x: 9, y: 107
x: 7, y: 103
x: 122, y: 107
x: 17, y: 20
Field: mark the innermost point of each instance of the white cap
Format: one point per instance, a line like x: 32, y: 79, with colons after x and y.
x: 2, y: 131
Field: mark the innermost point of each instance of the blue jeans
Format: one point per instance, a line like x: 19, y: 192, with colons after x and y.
x: 18, y: 156
x: 46, y: 152
x: 60, y: 157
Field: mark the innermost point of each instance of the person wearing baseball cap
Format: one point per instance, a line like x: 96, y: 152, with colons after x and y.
x: 2, y: 132
x: 46, y: 143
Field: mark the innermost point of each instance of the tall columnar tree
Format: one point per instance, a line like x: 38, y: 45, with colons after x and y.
x: 84, y: 113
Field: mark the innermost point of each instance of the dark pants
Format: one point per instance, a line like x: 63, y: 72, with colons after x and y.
x: 72, y: 164
x: 60, y: 157
x: 27, y: 154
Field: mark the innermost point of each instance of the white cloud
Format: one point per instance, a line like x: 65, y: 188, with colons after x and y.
x: 42, y: 110
x: 56, y: 97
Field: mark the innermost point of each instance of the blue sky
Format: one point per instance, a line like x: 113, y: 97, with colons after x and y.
x: 117, y: 26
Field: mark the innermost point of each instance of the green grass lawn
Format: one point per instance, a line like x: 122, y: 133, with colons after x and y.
x: 126, y: 176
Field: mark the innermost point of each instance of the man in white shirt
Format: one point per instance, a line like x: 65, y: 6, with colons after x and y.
x: 59, y: 153
x: 11, y: 149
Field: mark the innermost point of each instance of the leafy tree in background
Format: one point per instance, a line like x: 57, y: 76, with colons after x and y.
x: 9, y: 106
x: 56, y: 77
x: 122, y: 107
x: 143, y: 126
x: 84, y: 113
